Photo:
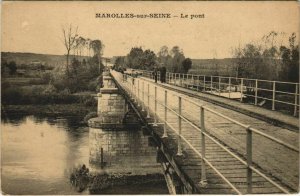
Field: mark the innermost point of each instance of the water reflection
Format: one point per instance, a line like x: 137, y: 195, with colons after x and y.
x: 15, y: 120
x: 37, y: 153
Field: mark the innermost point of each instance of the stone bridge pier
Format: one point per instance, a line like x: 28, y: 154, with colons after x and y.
x: 112, y: 106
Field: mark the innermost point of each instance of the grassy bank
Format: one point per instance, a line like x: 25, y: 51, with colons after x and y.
x: 49, y: 109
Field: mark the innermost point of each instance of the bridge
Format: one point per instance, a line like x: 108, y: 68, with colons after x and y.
x: 207, y: 147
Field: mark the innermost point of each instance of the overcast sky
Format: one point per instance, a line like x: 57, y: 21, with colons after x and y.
x: 36, y: 26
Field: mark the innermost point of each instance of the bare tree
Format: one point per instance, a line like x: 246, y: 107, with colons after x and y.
x: 70, y: 36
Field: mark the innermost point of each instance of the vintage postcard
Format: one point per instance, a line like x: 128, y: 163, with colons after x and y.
x: 149, y: 97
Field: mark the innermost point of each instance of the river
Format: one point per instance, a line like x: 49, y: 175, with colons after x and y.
x: 38, y: 154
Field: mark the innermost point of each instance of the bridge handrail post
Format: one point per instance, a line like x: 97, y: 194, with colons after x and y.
x: 187, y: 80
x: 296, y: 100
x: 155, y: 106
x: 204, y: 83
x: 256, y: 86
x: 194, y: 83
x: 148, y: 98
x: 193, y: 80
x: 242, y: 84
x: 143, y: 108
x: 198, y: 83
x: 211, y: 84
x: 179, y: 150
x: 273, y: 96
x: 129, y: 86
x: 219, y: 85
x: 203, y: 181
x: 229, y: 83
x: 249, y: 160
x: 174, y: 78
x: 133, y: 89
x: 180, y: 80
x: 166, y: 115
x: 158, y: 74
x: 138, y: 91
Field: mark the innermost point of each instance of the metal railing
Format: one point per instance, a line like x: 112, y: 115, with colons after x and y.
x: 135, y: 95
x: 260, y: 91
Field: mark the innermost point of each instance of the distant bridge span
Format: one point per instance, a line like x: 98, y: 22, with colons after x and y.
x: 214, y: 150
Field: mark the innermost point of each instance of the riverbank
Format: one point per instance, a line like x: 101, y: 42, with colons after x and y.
x: 53, y: 110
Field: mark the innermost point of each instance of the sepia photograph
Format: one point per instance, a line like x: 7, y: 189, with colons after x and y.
x: 149, y: 97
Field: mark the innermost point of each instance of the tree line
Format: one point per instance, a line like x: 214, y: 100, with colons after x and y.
x: 269, y: 58
x: 174, y: 60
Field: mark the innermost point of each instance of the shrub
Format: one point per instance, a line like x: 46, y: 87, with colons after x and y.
x: 36, y: 81
x: 50, y: 90
x: 90, y: 101
x: 36, y: 90
x: 5, y: 85
x: 15, y: 96
x: 92, y: 86
x: 11, y: 96
x: 89, y: 116
x: 46, y: 77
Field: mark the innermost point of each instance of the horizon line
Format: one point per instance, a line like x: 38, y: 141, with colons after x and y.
x: 104, y: 56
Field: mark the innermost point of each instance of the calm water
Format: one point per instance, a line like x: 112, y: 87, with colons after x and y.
x: 38, y: 154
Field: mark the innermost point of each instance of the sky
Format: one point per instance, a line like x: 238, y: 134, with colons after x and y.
x: 37, y: 26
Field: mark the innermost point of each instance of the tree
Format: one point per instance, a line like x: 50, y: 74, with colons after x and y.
x: 148, y: 60
x: 164, y: 57
x: 3, y: 66
x: 163, y: 52
x: 177, y: 59
x: 248, y: 59
x: 119, y: 63
x: 12, y: 66
x: 186, y: 64
x: 69, y: 41
x: 97, y: 47
x: 134, y: 57
x: 79, y: 46
x: 290, y: 60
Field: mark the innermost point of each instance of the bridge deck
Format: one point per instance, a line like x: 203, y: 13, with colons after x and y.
x: 274, y: 160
